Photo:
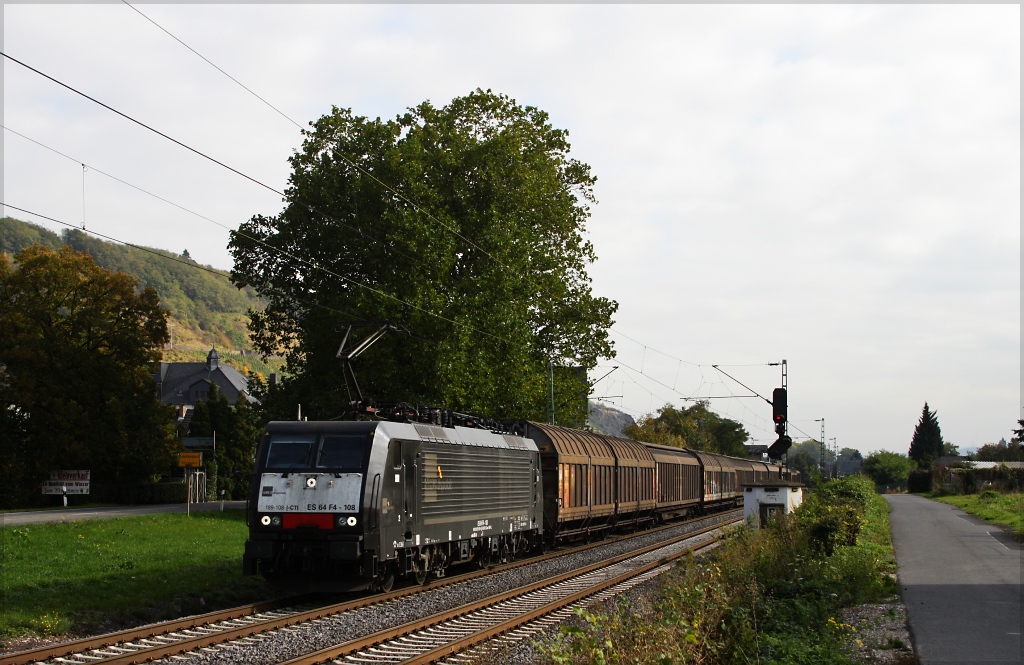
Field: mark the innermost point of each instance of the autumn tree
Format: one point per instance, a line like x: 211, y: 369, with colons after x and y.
x: 465, y: 224
x: 77, y: 342
x: 926, y: 445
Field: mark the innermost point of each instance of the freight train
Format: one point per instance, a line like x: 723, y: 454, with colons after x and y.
x: 339, y: 506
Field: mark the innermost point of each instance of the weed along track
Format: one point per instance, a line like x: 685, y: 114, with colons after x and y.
x: 250, y: 634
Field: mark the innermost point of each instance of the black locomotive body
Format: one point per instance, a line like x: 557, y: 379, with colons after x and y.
x: 340, y: 506
x: 351, y: 505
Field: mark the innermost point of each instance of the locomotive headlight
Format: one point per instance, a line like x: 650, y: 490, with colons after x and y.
x: 265, y: 520
x: 351, y: 521
x: 310, y: 483
x: 276, y: 520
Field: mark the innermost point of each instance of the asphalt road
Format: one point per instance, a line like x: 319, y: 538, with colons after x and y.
x: 70, y: 514
x: 961, y: 582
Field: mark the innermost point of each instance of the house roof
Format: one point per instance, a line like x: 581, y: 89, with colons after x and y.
x: 992, y: 465
x: 189, y: 383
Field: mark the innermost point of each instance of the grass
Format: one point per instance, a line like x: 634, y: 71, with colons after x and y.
x: 1003, y: 509
x: 101, y: 575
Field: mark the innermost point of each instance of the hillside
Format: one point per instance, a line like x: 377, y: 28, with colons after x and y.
x: 205, y: 309
x: 607, y: 420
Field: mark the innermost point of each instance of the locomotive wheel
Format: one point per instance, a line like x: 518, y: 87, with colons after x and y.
x: 386, y: 578
x: 421, y: 576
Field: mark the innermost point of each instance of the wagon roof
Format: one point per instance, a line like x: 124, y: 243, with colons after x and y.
x: 577, y: 442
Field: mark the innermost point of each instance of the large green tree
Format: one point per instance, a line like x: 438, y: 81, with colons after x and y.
x: 926, y: 445
x: 76, y: 342
x: 886, y: 468
x: 696, y: 427
x: 466, y: 225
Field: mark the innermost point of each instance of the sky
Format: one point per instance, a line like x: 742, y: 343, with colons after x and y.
x: 836, y: 186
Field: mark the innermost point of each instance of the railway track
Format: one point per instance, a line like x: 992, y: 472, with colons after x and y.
x: 438, y: 637
x: 204, y: 631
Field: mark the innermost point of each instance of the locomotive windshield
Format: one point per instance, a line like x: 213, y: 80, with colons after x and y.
x: 342, y: 451
x: 336, y: 452
x: 289, y: 451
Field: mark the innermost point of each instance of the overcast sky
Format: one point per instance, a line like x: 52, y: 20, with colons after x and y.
x: 837, y: 186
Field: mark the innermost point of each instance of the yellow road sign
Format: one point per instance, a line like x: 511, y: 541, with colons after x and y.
x: 190, y: 459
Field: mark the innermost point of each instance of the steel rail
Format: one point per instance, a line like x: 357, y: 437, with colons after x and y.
x: 452, y: 648
x: 162, y: 640
x: 362, y: 643
x: 131, y: 634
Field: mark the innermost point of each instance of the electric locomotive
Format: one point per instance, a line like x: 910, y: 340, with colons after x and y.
x: 340, y: 506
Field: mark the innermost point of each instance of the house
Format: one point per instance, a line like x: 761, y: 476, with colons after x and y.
x: 186, y: 384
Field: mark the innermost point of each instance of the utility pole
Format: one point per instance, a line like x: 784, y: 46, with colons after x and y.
x: 821, y: 459
x: 835, y: 457
x: 551, y: 392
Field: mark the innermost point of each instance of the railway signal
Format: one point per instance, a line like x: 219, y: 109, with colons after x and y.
x: 779, y: 410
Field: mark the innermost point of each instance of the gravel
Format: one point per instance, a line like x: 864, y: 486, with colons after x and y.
x: 881, y: 634
x: 288, y: 643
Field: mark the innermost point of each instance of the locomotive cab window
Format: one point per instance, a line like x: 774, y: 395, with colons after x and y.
x: 289, y: 451
x: 342, y: 451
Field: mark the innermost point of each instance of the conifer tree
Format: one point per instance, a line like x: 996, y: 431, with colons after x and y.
x: 927, y: 441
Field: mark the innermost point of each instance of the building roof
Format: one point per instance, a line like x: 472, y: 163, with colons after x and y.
x: 992, y: 465
x: 776, y: 482
x: 189, y: 383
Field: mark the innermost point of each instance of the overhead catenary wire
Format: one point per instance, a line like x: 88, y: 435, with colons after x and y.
x: 416, y: 206
x: 420, y: 209
x: 167, y: 256
x: 181, y: 207
x: 294, y: 257
x: 140, y: 123
x: 650, y: 378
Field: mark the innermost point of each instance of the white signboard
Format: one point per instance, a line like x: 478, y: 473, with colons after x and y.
x: 69, y: 482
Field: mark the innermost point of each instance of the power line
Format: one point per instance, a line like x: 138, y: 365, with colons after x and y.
x: 141, y: 124
x: 650, y: 378
x: 369, y: 174
x: 345, y: 158
x: 170, y: 257
x: 123, y: 242
x: 171, y: 35
x: 192, y: 212
x: 277, y: 249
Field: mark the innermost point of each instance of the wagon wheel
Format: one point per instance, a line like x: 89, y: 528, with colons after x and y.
x: 421, y: 576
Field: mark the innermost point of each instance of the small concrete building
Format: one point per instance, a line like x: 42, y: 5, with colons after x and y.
x: 764, y: 499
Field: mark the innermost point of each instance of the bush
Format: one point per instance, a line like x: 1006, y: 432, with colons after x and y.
x: 919, y: 481
x: 768, y: 595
